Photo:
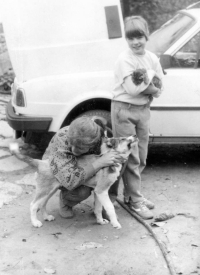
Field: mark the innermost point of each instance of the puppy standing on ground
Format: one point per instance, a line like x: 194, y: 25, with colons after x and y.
x: 47, y: 185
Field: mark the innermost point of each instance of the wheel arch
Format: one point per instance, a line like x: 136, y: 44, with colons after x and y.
x: 42, y: 140
x: 87, y: 105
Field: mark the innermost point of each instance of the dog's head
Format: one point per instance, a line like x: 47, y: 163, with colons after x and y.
x: 122, y: 145
x: 139, y: 76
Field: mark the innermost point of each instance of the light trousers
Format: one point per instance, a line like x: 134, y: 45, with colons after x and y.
x: 128, y: 119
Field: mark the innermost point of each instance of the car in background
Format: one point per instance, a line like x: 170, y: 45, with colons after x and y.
x: 64, y: 67
x: 176, y: 113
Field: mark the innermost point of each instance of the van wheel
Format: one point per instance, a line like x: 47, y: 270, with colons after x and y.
x: 101, y: 113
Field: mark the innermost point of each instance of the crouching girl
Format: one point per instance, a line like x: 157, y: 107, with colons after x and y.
x: 83, y: 136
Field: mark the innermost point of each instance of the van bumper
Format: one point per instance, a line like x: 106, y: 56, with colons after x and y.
x: 24, y: 123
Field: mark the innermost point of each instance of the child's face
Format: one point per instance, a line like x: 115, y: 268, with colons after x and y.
x: 137, y: 44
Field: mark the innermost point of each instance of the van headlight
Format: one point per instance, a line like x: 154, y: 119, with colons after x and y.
x: 20, y: 98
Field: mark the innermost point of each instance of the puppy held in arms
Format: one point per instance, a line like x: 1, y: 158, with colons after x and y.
x: 47, y: 184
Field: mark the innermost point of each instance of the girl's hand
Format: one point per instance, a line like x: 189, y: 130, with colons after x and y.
x: 108, y: 159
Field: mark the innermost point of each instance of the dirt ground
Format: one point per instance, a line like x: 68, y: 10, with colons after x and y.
x: 80, y: 246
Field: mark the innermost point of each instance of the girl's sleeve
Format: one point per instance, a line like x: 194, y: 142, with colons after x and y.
x: 63, y: 163
x: 67, y: 172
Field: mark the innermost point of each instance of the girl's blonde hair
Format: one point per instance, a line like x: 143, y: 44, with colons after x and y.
x: 86, y: 131
x: 136, y: 26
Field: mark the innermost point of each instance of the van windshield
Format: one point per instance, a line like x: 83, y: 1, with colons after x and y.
x: 169, y: 33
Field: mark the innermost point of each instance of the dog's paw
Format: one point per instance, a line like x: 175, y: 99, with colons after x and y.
x: 103, y: 221
x: 117, y: 225
x: 37, y: 224
x: 49, y: 218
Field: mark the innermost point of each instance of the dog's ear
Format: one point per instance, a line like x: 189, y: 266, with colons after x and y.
x: 102, y: 122
x: 111, y: 142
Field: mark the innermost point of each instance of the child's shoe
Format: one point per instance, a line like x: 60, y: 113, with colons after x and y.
x: 149, y: 204
x: 141, y: 209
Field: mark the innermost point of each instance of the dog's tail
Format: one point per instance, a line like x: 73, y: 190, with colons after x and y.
x: 14, y: 149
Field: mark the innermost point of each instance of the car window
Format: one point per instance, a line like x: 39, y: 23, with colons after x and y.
x: 169, y: 33
x: 186, y: 56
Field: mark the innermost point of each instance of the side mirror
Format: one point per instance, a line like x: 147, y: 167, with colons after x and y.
x: 165, y: 61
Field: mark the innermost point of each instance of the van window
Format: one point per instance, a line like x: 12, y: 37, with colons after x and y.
x: 169, y: 33
x: 113, y: 22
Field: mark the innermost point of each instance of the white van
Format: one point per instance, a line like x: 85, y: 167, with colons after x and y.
x: 63, y: 54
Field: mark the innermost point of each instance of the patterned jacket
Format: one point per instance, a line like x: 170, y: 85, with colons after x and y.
x: 63, y: 163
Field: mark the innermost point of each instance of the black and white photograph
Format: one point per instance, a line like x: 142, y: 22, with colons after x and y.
x: 100, y: 137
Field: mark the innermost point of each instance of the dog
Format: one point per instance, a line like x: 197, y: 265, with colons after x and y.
x: 140, y: 75
x: 47, y: 184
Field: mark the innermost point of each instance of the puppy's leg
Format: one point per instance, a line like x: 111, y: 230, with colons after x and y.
x: 39, y: 203
x: 98, y: 211
x: 45, y: 215
x: 109, y: 207
x: 34, y: 208
x: 43, y: 194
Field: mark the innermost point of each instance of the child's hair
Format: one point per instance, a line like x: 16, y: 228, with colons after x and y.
x: 136, y: 26
x: 87, y: 132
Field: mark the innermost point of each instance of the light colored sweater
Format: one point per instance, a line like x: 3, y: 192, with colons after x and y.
x: 128, y: 62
